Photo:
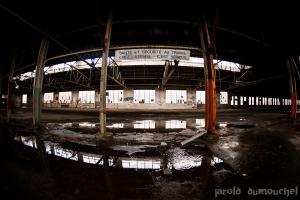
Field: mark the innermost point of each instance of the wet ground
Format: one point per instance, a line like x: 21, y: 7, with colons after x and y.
x: 255, y: 152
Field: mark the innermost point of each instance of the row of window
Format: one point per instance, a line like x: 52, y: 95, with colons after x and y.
x: 243, y: 100
x: 148, y: 96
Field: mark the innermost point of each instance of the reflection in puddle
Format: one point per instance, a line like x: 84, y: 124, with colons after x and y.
x: 28, y: 141
x: 175, y: 158
x: 222, y: 124
x: 175, y: 124
x: 92, y: 159
x: 216, y: 160
x: 116, y: 125
x: 132, y: 148
x: 139, y: 124
x: 65, y: 125
x: 87, y: 124
x: 144, y: 124
x: 55, y: 149
x: 65, y: 153
x: 180, y: 159
x: 141, y: 164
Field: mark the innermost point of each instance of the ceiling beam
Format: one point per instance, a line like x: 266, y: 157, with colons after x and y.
x: 167, y: 74
x: 116, y: 73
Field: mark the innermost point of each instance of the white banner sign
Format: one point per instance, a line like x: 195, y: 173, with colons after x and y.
x: 152, y: 54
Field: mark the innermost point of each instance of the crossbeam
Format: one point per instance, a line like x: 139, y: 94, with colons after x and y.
x: 169, y: 70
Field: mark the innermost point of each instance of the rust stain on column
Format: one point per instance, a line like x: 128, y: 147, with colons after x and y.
x: 209, y: 74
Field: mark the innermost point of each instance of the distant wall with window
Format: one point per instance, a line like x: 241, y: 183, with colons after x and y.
x: 154, y: 98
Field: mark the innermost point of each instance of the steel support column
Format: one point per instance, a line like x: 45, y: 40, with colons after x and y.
x: 209, y: 75
x: 1, y: 86
x: 10, y: 89
x: 293, y: 89
x: 103, y: 77
x: 38, y: 83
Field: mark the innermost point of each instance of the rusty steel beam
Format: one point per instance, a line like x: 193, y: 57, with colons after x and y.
x: 209, y: 74
x: 293, y: 87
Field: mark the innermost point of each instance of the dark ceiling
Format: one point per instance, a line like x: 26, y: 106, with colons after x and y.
x: 250, y: 33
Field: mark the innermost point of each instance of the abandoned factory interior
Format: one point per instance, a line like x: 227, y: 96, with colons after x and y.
x: 157, y: 100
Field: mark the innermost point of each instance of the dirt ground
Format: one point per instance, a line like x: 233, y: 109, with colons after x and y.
x: 253, y: 151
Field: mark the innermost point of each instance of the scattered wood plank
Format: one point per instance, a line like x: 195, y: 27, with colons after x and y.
x: 192, y: 138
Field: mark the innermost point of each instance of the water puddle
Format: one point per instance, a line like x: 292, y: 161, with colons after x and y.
x: 135, y: 125
x: 127, y: 156
x: 147, y: 131
x: 132, y: 171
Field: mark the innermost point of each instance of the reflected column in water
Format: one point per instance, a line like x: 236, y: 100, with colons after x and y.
x: 41, y: 150
x: 107, y: 176
x: 44, y: 163
x: 165, y: 159
x: 207, y: 178
x: 102, y: 146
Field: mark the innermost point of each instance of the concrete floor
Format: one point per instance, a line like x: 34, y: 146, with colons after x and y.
x: 254, y: 150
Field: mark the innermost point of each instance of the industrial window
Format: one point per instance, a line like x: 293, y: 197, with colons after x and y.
x: 277, y: 101
x: 65, y: 97
x: 270, y: 101
x: 265, y: 101
x: 176, y: 96
x: 144, y: 96
x: 24, y: 98
x: 174, y: 124
x: 200, y: 123
x: 48, y: 97
x: 259, y: 101
x: 200, y: 97
x: 223, y: 97
x: 114, y: 96
x: 251, y: 101
x: 234, y: 100
x: 87, y: 96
